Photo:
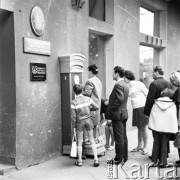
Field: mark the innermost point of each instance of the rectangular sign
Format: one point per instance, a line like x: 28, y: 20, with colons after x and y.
x: 37, y: 72
x: 37, y: 46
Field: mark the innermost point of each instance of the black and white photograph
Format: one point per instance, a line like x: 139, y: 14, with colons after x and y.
x: 89, y: 89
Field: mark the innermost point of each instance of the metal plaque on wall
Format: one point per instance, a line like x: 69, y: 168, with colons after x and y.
x: 37, y: 72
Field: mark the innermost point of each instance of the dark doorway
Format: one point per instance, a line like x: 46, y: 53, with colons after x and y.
x: 7, y: 88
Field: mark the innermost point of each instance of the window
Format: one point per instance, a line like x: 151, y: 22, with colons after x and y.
x: 97, y: 9
x: 146, y: 61
x: 146, y: 21
x: 93, y: 48
x: 146, y: 64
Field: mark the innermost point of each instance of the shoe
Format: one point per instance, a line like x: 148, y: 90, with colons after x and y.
x: 119, y: 162
x: 144, y: 151
x: 96, y: 140
x: 161, y: 165
x: 153, y: 164
x: 104, y: 123
x: 150, y: 157
x: 125, y: 159
x: 83, y: 157
x: 107, y: 147
x: 78, y: 163
x: 136, y: 150
x: 177, y: 163
x: 110, y: 148
x: 87, y: 143
x: 96, y: 163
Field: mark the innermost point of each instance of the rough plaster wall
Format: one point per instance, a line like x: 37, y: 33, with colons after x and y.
x: 38, y: 112
x: 126, y: 36
x: 126, y: 39
x: 173, y: 38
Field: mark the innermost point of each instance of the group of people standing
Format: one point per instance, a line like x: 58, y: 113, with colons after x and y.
x: 87, y: 104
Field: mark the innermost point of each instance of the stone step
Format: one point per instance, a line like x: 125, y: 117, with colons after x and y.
x: 6, y: 169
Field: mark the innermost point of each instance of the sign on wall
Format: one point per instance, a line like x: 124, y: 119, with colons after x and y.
x: 37, y: 72
x: 36, y: 46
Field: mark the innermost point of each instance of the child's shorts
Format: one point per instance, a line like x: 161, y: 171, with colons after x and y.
x: 109, y: 125
x: 85, y: 125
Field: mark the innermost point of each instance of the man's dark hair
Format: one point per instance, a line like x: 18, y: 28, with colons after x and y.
x: 120, y: 71
x: 159, y: 70
x: 93, y: 68
x: 129, y: 75
x: 77, y: 88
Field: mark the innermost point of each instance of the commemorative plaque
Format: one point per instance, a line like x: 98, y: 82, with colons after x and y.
x: 37, y: 20
x: 36, y: 46
x: 37, y: 72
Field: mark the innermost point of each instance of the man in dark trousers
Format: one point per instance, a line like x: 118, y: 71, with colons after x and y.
x: 161, y: 140
x: 117, y: 112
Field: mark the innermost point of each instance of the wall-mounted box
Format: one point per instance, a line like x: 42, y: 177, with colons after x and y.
x: 71, y: 68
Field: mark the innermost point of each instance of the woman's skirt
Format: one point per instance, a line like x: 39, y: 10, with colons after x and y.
x: 139, y: 119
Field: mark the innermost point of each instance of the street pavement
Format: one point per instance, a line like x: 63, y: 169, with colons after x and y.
x: 63, y: 168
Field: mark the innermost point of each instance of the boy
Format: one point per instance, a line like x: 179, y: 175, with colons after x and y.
x: 81, y: 108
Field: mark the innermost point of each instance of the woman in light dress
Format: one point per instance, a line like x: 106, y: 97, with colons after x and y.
x: 138, y: 93
x: 93, y: 89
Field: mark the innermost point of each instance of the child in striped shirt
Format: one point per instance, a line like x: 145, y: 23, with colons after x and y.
x: 81, y: 108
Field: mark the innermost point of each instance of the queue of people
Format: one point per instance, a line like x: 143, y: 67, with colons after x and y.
x: 89, y: 107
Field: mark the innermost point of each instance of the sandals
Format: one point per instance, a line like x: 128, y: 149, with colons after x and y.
x: 144, y: 151
x: 87, y: 142
x: 77, y: 163
x: 110, y: 148
x: 96, y: 163
x: 137, y: 150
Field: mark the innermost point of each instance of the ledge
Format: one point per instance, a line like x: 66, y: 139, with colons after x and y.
x: 101, y: 27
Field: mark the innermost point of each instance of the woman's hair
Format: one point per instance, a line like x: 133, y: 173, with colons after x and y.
x: 93, y: 68
x: 175, y: 77
x: 129, y: 75
x: 119, y: 70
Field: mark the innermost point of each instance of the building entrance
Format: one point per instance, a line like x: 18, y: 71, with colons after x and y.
x: 7, y: 89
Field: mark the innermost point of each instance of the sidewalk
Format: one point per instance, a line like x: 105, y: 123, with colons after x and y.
x: 62, y: 168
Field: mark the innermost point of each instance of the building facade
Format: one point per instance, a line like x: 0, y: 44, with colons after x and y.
x: 36, y: 33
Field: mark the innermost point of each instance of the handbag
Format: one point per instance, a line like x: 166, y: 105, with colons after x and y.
x: 177, y: 141
x: 73, y: 152
x: 100, y: 137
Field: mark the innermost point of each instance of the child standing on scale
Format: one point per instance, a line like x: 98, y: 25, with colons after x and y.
x: 81, y: 108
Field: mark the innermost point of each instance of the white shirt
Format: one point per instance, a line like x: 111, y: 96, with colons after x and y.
x: 120, y: 79
x: 138, y: 93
